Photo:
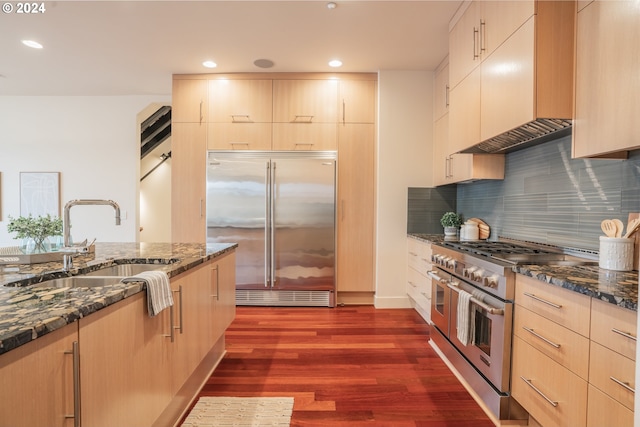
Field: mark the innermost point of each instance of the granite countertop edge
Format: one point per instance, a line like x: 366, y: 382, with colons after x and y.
x: 28, y: 312
x: 615, y: 287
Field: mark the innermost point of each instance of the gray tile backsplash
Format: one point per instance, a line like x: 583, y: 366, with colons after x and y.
x: 426, y: 206
x: 548, y: 197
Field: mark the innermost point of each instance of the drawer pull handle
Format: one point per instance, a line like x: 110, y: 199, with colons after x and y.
x: 624, y: 334
x: 537, y: 335
x: 537, y: 298
x: 530, y: 384
x: 411, y: 283
x: 623, y: 384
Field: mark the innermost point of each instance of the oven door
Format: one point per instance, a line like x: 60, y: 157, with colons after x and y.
x: 440, y: 294
x: 489, y: 338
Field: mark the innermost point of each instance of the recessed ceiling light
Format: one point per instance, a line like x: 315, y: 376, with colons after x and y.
x: 331, y: 5
x: 32, y: 44
x: 335, y: 63
x: 209, y: 64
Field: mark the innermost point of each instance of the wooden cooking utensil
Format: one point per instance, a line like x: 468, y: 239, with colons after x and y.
x: 609, y: 227
x: 619, y: 227
x: 636, y: 245
x: 632, y: 227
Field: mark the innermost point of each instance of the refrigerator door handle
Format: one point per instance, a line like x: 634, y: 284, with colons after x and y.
x: 272, y: 227
x: 267, y: 221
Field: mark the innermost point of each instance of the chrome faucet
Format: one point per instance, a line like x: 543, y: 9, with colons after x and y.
x: 67, y: 220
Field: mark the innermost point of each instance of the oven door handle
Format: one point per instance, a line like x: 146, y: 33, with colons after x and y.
x: 434, y: 276
x: 481, y: 304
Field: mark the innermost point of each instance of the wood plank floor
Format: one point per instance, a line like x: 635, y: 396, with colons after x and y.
x: 345, y: 366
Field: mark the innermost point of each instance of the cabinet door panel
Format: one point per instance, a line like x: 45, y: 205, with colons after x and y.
x: 37, y: 381
x: 189, y: 101
x: 239, y: 136
x: 500, y: 19
x: 305, y: 101
x: 464, y: 113
x: 508, y: 84
x: 304, y: 136
x: 240, y: 101
x: 607, y: 104
x: 358, y: 99
x: 356, y: 157
x: 464, y: 45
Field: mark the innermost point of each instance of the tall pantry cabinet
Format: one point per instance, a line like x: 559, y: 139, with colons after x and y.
x: 282, y: 111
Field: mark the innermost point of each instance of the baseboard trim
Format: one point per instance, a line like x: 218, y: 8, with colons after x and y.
x: 392, y: 302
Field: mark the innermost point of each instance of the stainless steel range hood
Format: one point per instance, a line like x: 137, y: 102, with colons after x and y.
x: 532, y: 133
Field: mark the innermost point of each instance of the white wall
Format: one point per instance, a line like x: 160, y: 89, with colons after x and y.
x: 405, y: 139
x: 91, y: 141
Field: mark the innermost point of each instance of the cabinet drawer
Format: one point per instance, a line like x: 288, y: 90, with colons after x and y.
x: 612, y: 373
x: 569, y: 309
x: 604, y: 411
x: 564, y: 346
x: 239, y: 136
x: 413, y: 253
x: 565, y: 391
x: 305, y: 136
x: 614, y: 327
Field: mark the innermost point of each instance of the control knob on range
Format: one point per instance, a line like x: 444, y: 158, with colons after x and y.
x: 477, y: 275
x: 491, y: 281
x: 452, y: 263
x: 467, y: 272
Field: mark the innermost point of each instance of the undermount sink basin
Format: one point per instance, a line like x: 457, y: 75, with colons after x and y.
x: 124, y: 270
x: 79, y: 282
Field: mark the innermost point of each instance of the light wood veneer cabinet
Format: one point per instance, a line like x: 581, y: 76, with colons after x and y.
x: 240, y: 114
x: 519, y: 73
x: 573, y: 357
x: 551, y: 330
x: 448, y: 167
x: 37, y: 385
x: 418, y: 282
x: 607, y: 89
x: 357, y: 100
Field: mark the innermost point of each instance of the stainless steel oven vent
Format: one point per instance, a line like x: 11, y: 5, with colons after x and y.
x: 532, y: 133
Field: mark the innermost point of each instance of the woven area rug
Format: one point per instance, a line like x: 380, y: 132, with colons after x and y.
x: 240, y: 412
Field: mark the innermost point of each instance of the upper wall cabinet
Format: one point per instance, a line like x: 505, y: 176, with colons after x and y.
x: 240, y: 114
x: 523, y: 72
x: 484, y: 26
x: 305, y: 101
x: 357, y: 99
x: 607, y: 79
x: 189, y: 101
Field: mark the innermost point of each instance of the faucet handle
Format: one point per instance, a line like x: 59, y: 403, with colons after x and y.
x: 67, y: 262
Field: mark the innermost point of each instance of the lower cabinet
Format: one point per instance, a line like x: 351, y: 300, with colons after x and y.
x: 418, y: 281
x: 573, y: 357
x: 133, y: 370
x: 37, y: 381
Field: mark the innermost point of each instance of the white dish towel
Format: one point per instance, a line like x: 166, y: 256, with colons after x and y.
x: 159, y: 295
x: 463, y: 318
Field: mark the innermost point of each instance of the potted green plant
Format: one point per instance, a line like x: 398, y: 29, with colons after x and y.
x: 451, y: 221
x: 35, y: 230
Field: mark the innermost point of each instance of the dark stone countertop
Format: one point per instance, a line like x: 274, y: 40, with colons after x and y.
x: 28, y: 312
x: 616, y: 287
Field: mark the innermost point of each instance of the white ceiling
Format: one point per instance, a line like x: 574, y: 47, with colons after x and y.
x: 133, y: 48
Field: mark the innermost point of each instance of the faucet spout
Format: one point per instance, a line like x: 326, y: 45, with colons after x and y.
x: 66, y: 225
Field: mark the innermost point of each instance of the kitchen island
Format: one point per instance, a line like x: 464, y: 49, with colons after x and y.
x: 97, y: 348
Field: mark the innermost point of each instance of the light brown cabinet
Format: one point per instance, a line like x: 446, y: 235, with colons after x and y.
x: 240, y: 114
x: 448, y: 167
x: 515, y: 81
x: 418, y: 281
x: 573, y: 358
x: 37, y: 381
x: 357, y: 100
x: 189, y: 101
x: 607, y: 89
x: 355, y: 218
x: 188, y: 182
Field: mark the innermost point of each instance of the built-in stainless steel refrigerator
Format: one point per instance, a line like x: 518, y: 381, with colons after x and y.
x: 280, y: 209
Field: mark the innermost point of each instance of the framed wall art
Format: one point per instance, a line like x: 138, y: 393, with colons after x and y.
x: 40, y: 193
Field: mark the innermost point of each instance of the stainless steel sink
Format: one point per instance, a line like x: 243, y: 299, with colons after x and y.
x: 124, y: 270
x: 79, y: 282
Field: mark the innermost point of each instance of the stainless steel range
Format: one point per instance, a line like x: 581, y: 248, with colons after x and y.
x: 473, y: 284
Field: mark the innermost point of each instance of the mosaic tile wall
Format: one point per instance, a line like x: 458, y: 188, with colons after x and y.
x: 547, y: 197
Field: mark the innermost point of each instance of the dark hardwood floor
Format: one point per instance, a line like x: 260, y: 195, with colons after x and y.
x: 345, y: 366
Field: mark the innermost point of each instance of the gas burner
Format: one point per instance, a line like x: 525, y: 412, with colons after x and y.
x: 504, y: 251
